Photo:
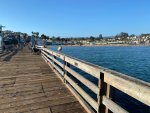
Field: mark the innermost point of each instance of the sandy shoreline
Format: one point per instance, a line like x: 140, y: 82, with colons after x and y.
x: 109, y: 45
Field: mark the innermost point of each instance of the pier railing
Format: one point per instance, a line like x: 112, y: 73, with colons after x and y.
x: 106, y: 78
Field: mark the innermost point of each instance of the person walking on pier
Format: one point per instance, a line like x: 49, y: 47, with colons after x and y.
x: 1, y: 43
x: 33, y: 41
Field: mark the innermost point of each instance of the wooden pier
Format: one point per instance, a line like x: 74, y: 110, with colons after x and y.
x: 28, y: 85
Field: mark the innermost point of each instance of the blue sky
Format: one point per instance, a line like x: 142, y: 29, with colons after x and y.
x: 75, y: 18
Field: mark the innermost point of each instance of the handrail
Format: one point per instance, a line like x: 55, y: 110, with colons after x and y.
x: 135, y: 88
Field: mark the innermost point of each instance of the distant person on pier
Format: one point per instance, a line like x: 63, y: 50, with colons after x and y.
x: 18, y: 39
x: 15, y: 42
x: 22, y: 42
x: 33, y: 41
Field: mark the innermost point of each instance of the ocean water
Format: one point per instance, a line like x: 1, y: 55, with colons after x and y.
x: 131, y: 60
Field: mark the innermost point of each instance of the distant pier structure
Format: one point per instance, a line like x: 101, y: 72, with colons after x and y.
x: 36, y: 34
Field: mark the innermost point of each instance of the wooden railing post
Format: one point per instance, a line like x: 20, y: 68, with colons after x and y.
x: 65, y: 71
x: 101, y: 93
x: 108, y: 94
x: 104, y: 90
x: 54, y: 58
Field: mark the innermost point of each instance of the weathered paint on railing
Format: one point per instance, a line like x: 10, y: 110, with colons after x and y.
x: 135, y: 88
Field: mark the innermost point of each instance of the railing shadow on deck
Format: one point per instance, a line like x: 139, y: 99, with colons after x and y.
x: 106, y: 80
x: 6, y: 56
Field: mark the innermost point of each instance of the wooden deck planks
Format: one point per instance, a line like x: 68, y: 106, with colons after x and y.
x: 28, y: 85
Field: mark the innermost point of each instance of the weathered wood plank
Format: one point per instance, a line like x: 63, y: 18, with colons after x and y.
x: 113, y: 106
x: 83, y: 80
x: 87, y: 67
x: 90, y: 100
x: 65, y: 107
x: 43, y: 110
x: 61, y: 56
x: 131, y: 86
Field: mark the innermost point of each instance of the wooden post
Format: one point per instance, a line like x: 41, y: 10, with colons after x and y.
x: 101, y: 93
x: 104, y: 90
x: 65, y: 72
x: 54, y: 58
x: 108, y: 94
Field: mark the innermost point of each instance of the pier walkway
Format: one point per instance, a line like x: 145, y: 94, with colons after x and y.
x: 29, y: 85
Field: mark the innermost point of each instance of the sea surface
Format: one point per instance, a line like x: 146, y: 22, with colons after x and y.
x: 131, y: 60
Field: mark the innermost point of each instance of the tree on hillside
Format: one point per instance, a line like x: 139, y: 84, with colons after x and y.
x: 35, y: 33
x: 58, y: 39
x: 25, y: 35
x: 144, y: 35
x: 100, y: 36
x: 92, y: 38
x: 44, y: 36
x: 53, y: 38
x: 122, y: 36
x: 132, y: 35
